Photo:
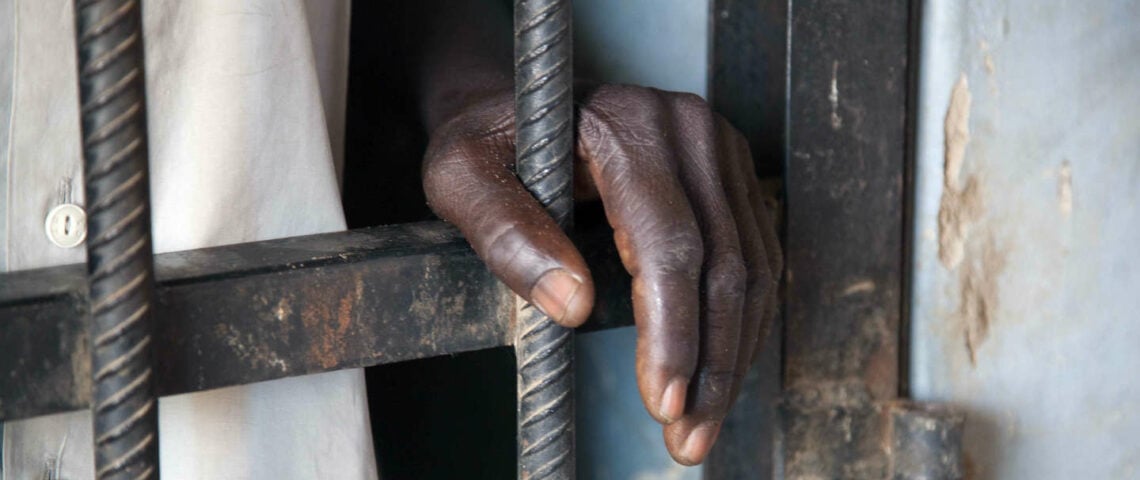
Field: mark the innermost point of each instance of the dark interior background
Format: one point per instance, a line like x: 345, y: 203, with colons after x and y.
x: 446, y: 417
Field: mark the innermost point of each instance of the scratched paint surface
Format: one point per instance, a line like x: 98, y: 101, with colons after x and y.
x: 1025, y: 306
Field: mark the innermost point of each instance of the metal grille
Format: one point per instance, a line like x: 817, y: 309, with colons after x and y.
x: 121, y: 363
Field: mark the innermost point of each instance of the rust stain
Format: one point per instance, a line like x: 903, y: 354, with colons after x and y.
x: 880, y: 369
x: 344, y: 314
x: 881, y: 373
x: 317, y: 315
x: 969, y: 467
x: 311, y: 318
x: 328, y: 320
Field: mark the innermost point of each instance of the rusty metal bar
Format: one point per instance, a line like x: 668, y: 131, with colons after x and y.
x: 545, y: 133
x: 257, y: 311
x: 120, y: 273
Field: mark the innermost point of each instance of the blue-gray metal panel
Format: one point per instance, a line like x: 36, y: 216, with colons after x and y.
x: 1033, y: 328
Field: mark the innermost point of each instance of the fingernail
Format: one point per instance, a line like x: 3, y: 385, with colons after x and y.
x: 554, y: 292
x: 700, y: 441
x: 673, y: 400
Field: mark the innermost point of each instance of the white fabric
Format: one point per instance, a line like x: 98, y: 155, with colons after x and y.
x: 240, y: 151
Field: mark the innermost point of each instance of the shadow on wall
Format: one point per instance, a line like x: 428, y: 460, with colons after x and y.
x: 981, y: 455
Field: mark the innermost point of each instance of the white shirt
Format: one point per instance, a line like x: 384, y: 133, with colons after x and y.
x: 245, y: 106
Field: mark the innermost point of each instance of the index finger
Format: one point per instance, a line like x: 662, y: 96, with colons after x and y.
x: 657, y: 238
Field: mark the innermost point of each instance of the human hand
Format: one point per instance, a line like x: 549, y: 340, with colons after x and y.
x: 690, y: 223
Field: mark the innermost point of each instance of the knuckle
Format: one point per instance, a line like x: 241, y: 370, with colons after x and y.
x: 448, y: 165
x: 595, y: 127
x: 760, y: 280
x: 693, y: 108
x: 734, y: 136
x: 590, y: 119
x: 677, y: 250
x: 509, y: 251
x: 777, y: 265
x: 690, y: 101
x: 728, y: 276
x: 438, y: 179
x: 616, y: 99
x: 502, y: 242
x: 615, y: 90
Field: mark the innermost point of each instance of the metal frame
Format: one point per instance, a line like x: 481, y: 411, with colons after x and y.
x: 258, y: 311
x: 836, y: 124
x: 850, y: 84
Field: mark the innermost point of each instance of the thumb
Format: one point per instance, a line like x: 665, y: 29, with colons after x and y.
x: 468, y: 182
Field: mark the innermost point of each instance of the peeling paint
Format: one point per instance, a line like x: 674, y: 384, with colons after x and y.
x: 963, y: 245
x: 979, y: 289
x: 987, y: 58
x: 1065, y: 190
x: 960, y: 204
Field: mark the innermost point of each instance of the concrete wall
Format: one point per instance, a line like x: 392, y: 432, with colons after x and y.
x: 1026, y: 274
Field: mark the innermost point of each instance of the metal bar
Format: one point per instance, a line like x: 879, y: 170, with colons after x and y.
x: 846, y: 139
x: 258, y: 311
x: 120, y: 273
x: 849, y: 88
x: 545, y: 125
x: 925, y: 441
x: 847, y: 112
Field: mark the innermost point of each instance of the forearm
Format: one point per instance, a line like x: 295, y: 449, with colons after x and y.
x: 462, y: 54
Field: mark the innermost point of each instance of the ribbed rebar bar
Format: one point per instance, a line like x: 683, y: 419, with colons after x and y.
x: 119, y: 254
x: 545, y: 132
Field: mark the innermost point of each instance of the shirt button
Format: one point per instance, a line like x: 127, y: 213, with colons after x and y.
x: 66, y: 225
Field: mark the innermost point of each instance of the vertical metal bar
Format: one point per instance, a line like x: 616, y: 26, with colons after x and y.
x: 120, y: 271
x: 545, y: 126
x: 847, y: 117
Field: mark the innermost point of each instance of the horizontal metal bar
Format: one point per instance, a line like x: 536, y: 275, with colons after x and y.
x: 258, y: 311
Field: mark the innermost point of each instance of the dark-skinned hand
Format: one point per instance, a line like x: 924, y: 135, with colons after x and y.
x: 690, y: 222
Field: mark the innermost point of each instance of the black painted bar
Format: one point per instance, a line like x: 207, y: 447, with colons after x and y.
x: 120, y: 270
x: 544, y: 133
x: 850, y: 95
